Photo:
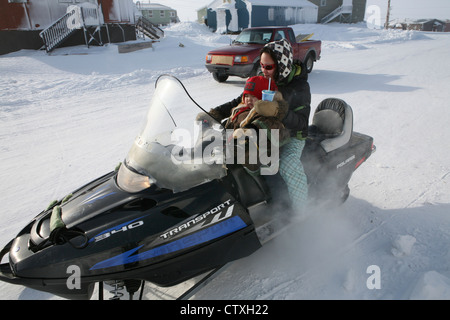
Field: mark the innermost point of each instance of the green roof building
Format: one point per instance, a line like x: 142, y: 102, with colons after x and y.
x: 157, y: 13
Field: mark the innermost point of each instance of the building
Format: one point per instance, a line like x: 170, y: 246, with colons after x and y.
x: 202, y: 15
x: 23, y: 22
x: 344, y: 11
x: 158, y: 14
x: 235, y: 15
x: 434, y: 25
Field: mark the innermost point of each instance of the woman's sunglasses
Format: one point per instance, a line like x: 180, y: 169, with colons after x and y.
x: 268, y: 67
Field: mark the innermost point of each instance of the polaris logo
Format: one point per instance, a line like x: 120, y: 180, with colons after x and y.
x: 343, y: 163
x: 203, y: 217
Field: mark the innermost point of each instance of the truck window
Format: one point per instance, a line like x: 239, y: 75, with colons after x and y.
x: 266, y: 36
x: 279, y: 35
x: 291, y: 36
x: 261, y: 36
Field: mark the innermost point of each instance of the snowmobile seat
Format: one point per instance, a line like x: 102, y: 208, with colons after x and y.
x: 333, y: 121
x: 253, y: 189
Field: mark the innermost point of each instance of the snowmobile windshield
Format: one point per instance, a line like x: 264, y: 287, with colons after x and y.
x: 173, y: 150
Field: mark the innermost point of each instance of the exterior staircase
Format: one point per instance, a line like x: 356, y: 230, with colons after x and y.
x: 147, y: 28
x: 77, y: 17
x: 344, y: 12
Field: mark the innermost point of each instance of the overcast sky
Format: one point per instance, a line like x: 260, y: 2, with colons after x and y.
x: 400, y: 9
x: 414, y: 9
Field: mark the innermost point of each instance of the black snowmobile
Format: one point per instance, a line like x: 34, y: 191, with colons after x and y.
x: 161, y: 219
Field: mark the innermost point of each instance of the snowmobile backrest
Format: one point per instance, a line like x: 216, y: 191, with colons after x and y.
x: 252, y: 189
x: 334, y: 119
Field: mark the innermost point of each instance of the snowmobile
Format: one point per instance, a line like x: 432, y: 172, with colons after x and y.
x: 161, y: 219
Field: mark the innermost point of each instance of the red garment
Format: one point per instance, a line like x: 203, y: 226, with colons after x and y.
x: 255, y: 86
x: 243, y: 109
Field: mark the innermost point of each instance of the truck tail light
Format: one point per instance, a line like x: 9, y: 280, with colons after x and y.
x: 208, y: 58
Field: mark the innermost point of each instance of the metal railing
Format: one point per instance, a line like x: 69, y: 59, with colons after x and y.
x: 149, y: 29
x: 65, y: 26
x: 335, y: 13
x: 56, y: 33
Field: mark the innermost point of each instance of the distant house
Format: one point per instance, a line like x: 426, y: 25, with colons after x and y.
x: 433, y: 25
x: 235, y: 15
x: 343, y: 11
x: 158, y: 14
x: 201, y: 15
x: 22, y: 22
x: 427, y: 25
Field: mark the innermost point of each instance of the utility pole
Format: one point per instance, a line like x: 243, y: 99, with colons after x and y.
x: 386, y: 25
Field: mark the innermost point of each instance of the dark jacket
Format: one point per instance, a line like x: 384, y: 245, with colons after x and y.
x: 296, y: 92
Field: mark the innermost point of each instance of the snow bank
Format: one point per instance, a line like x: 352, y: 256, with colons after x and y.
x: 431, y: 286
x: 357, y: 36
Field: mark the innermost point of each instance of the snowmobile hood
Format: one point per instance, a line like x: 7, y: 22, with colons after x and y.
x: 99, y: 197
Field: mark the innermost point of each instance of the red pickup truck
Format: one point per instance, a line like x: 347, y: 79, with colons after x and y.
x: 241, y: 58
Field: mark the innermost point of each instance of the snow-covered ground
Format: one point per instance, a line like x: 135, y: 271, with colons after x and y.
x: 71, y: 116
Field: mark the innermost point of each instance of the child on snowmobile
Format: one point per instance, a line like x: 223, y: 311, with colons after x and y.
x: 246, y: 122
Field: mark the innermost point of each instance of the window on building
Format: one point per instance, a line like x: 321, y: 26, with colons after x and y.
x: 162, y: 14
x: 289, y: 13
x: 172, y: 14
x: 271, y: 14
x: 323, y: 3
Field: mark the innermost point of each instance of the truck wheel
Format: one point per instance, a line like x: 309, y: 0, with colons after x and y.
x: 309, y: 62
x: 220, y: 77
